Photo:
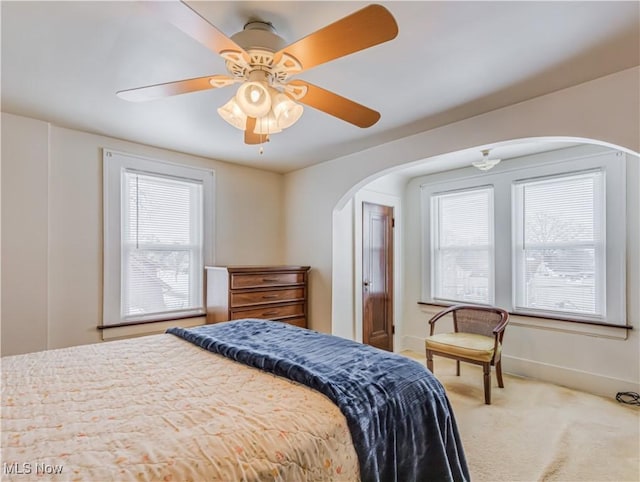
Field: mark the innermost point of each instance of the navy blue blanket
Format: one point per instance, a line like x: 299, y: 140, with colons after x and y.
x: 401, y: 423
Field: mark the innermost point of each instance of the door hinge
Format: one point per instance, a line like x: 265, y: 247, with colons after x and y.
x: 393, y: 222
x: 393, y: 329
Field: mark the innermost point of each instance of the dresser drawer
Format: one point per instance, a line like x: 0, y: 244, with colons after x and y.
x: 270, y: 312
x: 261, y: 280
x: 262, y: 297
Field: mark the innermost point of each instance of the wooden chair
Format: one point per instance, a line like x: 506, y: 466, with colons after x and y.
x: 477, y: 338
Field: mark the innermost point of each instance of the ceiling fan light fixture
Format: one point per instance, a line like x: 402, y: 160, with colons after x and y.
x: 485, y: 164
x: 259, y: 58
x: 232, y: 113
x: 286, y: 111
x: 254, y: 99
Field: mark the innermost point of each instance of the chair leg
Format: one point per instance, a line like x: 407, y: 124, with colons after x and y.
x: 430, y: 361
x: 458, y: 367
x: 486, y: 368
x: 499, y: 373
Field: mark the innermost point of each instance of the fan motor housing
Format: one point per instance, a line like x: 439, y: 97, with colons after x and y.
x: 261, y: 42
x: 259, y: 35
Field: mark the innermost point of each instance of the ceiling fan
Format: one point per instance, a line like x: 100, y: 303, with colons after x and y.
x: 267, y: 101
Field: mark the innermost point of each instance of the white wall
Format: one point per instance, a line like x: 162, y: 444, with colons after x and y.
x: 604, y: 110
x: 52, y: 230
x: 24, y: 232
x: 343, y: 273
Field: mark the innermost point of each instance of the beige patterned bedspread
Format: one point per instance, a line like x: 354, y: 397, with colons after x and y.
x: 159, y: 408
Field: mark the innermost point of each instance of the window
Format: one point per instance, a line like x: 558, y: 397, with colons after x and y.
x: 462, y: 246
x: 158, y: 231
x: 542, y: 235
x: 560, y: 255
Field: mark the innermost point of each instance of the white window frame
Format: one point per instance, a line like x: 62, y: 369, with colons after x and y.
x: 114, y: 165
x: 502, y: 178
x: 435, y: 245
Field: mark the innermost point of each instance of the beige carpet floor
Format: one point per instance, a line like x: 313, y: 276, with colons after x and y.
x: 535, y: 431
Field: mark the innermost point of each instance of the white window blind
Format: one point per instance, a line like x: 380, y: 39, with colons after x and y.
x: 162, y: 245
x: 560, y: 244
x: 462, y: 246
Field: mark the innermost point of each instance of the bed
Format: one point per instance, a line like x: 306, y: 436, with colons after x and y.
x: 244, y: 400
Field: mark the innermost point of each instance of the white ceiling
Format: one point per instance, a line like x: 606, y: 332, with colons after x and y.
x: 63, y: 62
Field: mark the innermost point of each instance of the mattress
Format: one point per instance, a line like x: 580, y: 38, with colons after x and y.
x: 159, y: 408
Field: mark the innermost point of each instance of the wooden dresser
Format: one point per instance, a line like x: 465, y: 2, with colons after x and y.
x: 269, y: 292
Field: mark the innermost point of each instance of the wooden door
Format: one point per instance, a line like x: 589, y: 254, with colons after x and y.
x: 377, y: 275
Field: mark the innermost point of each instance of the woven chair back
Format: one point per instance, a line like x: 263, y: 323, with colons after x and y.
x: 479, y: 321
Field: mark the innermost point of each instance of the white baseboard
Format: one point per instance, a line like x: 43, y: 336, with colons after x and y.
x: 594, y: 383
x: 413, y: 343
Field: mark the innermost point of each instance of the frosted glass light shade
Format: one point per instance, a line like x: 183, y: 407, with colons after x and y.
x: 254, y: 99
x: 286, y: 111
x: 486, y: 164
x: 267, y: 125
x: 232, y: 113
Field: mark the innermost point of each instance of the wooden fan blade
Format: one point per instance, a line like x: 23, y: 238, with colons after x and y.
x: 175, y: 88
x: 251, y: 137
x: 365, y: 28
x: 336, y: 105
x: 194, y: 25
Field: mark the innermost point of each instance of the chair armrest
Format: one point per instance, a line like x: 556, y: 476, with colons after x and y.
x: 503, y: 324
x: 498, y: 333
x: 439, y: 315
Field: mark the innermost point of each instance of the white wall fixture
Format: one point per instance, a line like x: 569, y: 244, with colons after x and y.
x: 485, y: 163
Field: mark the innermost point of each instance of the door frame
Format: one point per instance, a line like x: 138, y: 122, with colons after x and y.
x: 394, y: 202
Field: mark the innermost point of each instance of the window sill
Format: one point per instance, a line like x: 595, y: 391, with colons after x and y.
x: 588, y: 328
x: 128, y: 330
x: 145, y: 322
